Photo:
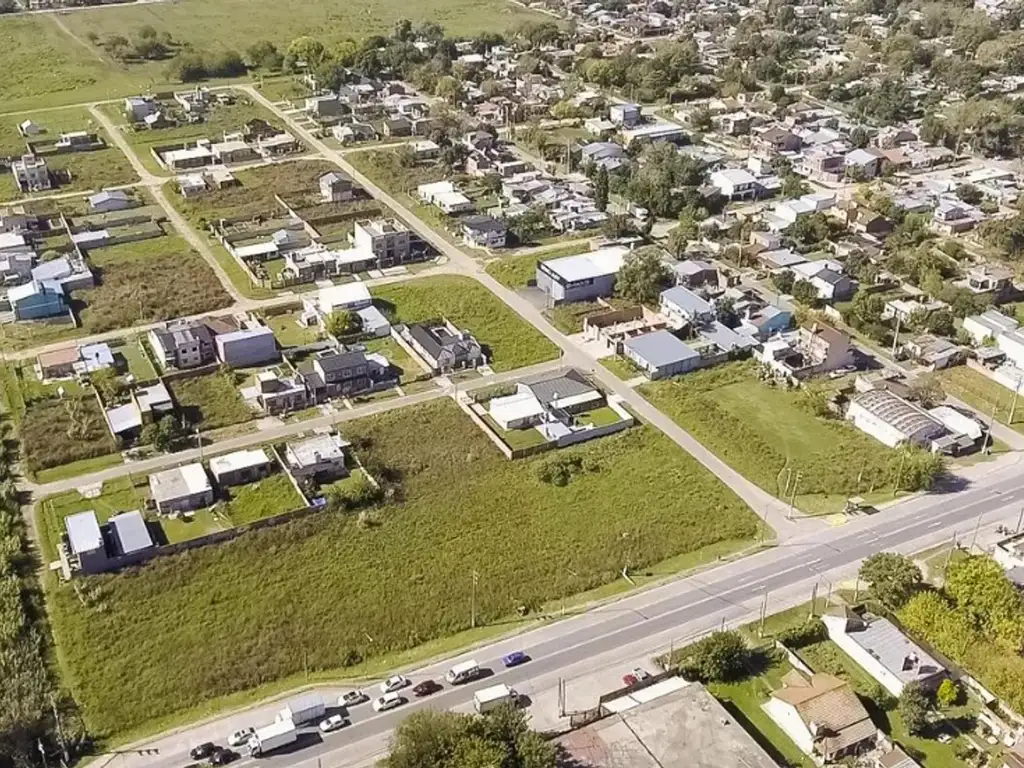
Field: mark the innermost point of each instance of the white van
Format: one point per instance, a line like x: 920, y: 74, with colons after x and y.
x: 463, y: 673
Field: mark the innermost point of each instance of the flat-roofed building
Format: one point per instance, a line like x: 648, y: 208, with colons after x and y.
x: 181, y: 489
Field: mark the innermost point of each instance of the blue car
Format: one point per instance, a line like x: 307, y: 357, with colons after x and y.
x: 514, y: 659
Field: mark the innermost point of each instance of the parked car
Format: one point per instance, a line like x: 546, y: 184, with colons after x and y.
x: 203, y: 751
x: 514, y: 659
x: 352, y: 698
x: 629, y: 680
x: 426, y: 688
x: 332, y: 723
x: 222, y: 756
x: 239, y: 738
x: 641, y: 674
x: 394, y: 683
x: 388, y: 701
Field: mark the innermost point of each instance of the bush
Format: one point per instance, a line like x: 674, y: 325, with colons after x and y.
x: 948, y: 693
x: 719, y: 657
x: 808, y: 633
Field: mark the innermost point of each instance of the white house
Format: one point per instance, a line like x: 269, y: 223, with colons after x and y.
x: 444, y: 195
x: 884, y: 652
x: 735, y: 183
x: 988, y: 325
x: 1012, y: 343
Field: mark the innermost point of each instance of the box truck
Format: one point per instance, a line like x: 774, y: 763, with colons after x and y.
x: 304, y: 709
x: 463, y: 673
x: 279, y: 733
x: 487, y: 699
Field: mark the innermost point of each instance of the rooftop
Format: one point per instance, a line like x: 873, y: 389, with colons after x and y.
x: 83, y: 532
x: 179, y: 482
x: 313, y: 450
x: 232, y: 462
x: 660, y: 348
x: 888, y: 646
x: 131, y: 532
x: 585, y: 266
x: 684, y: 727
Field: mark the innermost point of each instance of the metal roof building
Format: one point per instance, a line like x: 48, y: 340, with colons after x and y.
x: 130, y: 532
x: 894, y: 421
x: 660, y: 354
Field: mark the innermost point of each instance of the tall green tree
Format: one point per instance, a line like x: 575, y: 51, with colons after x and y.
x: 642, y: 276
x: 912, y: 706
x: 892, y: 578
x: 601, y: 186
x: 981, y: 590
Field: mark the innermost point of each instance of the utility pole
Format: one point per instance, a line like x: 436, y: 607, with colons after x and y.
x: 472, y: 601
x: 896, y: 337
x: 1013, y: 403
x: 764, y: 613
x: 899, y: 474
x: 1020, y: 520
x: 792, y: 497
x: 988, y: 433
x: 856, y: 589
x: 977, y: 527
x: 949, y: 555
x: 814, y: 600
x: 65, y: 757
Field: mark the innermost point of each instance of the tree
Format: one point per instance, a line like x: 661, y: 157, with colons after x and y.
x: 980, y: 589
x: 721, y: 656
x: 264, y: 55
x: 453, y: 740
x: 794, y: 186
x: 642, y: 275
x: 941, y: 323
x: 617, y: 225
x: 678, y: 240
x: 892, y: 578
x: 601, y: 188
x: 308, y: 50
x: 107, y: 384
x: 912, y: 707
x: 341, y: 322
x: 948, y: 693
x: 529, y: 224
x: 804, y: 293
x: 162, y: 435
x: 449, y: 89
x: 928, y: 391
x: 783, y: 281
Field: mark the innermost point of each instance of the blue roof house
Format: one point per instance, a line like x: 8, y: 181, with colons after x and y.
x: 35, y: 300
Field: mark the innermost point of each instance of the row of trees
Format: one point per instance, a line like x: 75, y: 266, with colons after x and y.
x: 29, y: 700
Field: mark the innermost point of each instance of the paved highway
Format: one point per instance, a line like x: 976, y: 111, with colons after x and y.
x: 609, y: 640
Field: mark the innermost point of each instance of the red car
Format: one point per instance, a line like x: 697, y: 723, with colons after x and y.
x: 426, y: 688
x: 628, y: 680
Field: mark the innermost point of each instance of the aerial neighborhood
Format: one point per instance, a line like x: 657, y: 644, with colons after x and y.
x: 643, y: 376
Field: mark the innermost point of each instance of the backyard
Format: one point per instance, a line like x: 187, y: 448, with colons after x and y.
x: 770, y: 434
x: 983, y: 394
x: 266, y: 498
x: 93, y: 169
x: 210, y: 401
x: 529, y: 540
x: 510, y: 342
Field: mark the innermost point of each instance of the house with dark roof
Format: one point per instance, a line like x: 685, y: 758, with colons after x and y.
x: 186, y: 343
x: 483, y: 231
x: 822, y: 715
x: 443, y: 346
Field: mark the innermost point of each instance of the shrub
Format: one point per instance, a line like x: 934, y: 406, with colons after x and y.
x: 808, y: 633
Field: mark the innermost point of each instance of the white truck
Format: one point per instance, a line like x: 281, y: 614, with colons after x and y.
x: 463, y: 673
x: 487, y: 699
x: 304, y: 709
x: 279, y: 733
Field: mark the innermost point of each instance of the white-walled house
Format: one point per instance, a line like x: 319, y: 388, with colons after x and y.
x: 883, y: 651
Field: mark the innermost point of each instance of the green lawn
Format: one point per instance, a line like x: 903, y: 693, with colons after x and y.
x: 397, y: 356
x: 761, y: 430
x: 744, y: 699
x: 983, y: 394
x: 89, y: 170
x: 599, y: 417
x: 828, y: 657
x: 513, y: 271
x: 288, y: 332
x: 516, y: 438
x: 76, y: 468
x: 139, y: 364
x: 286, y: 596
x: 210, y: 401
x: 621, y: 367
x: 510, y: 341
x: 266, y: 498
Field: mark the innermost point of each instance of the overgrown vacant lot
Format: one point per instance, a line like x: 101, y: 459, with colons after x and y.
x: 230, y: 617
x: 759, y: 430
x: 69, y: 74
x: 255, y: 196
x: 56, y: 432
x: 511, y: 342
x: 150, y: 280
x: 210, y: 401
x: 984, y: 394
x: 89, y: 170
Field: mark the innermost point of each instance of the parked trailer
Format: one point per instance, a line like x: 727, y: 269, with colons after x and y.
x: 304, y: 709
x: 279, y: 733
x: 487, y: 699
x: 463, y: 673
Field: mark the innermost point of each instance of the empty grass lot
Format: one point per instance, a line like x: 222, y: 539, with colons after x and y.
x: 759, y: 430
x: 56, y: 432
x: 255, y: 195
x: 71, y: 72
x: 266, y: 498
x: 210, y: 401
x: 313, y: 589
x: 515, y: 271
x: 621, y: 367
x: 510, y: 341
x: 89, y: 170
x: 397, y: 356
x: 983, y: 394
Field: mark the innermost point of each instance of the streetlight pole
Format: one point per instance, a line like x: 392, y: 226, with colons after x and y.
x: 977, y: 527
x: 472, y: 601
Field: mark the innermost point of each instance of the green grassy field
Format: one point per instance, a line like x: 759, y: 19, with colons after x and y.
x: 288, y: 594
x: 512, y: 343
x: 89, y: 170
x: 270, y: 496
x: 516, y: 270
x: 210, y: 401
x: 397, y: 356
x: 621, y: 367
x: 983, y: 394
x: 56, y: 432
x: 288, y: 332
x: 760, y: 430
